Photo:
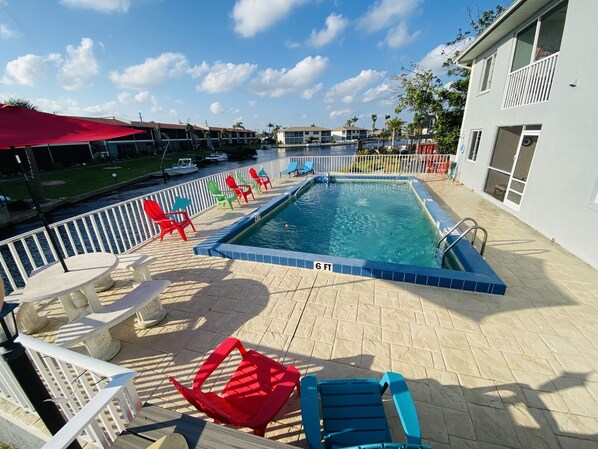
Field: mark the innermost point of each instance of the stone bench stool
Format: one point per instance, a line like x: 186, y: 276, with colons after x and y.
x: 94, y: 329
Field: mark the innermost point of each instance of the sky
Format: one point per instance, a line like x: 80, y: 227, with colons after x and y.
x: 218, y: 62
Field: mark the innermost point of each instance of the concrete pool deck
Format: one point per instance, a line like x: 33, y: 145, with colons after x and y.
x: 487, y: 372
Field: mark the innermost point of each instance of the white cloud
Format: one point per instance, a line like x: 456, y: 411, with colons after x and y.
x: 292, y: 44
x: 124, y: 97
x: 225, y: 76
x: 80, y: 65
x: 153, y: 71
x: 335, y: 24
x: 155, y: 107
x: 379, y: 92
x: 197, y: 70
x: 435, y: 58
x: 385, y: 13
x: 340, y: 113
x: 310, y: 92
x: 28, y: 70
x: 399, y: 36
x: 63, y: 106
x: 101, y: 109
x: 128, y: 98
x: 276, y: 83
x: 345, y: 91
x: 216, y: 108
x: 252, y: 103
x: 173, y: 113
x: 5, y: 32
x: 253, y: 16
x: 105, y: 6
x: 142, y: 96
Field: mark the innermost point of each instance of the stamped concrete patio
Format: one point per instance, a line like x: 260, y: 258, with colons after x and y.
x: 487, y: 372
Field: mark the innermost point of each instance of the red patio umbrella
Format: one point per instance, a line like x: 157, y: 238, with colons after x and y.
x: 24, y: 127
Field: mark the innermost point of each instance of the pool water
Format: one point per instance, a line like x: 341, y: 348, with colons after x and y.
x: 378, y: 221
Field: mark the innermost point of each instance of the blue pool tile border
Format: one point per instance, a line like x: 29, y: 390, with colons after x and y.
x: 477, y: 276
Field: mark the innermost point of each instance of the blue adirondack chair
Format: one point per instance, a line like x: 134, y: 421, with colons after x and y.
x: 308, y: 166
x: 290, y: 169
x: 353, y: 415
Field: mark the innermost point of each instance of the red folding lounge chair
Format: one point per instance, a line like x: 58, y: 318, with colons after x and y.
x: 254, y: 394
x: 242, y: 191
x: 167, y: 224
x: 262, y: 181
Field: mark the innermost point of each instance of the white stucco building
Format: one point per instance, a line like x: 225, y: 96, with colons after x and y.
x: 529, y: 131
x: 349, y: 133
x: 303, y: 135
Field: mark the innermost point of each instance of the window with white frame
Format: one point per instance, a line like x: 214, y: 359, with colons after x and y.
x: 474, y: 144
x: 541, y: 38
x: 487, y: 73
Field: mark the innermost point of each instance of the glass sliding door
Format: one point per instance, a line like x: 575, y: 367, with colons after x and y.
x: 511, y: 162
x: 523, y: 162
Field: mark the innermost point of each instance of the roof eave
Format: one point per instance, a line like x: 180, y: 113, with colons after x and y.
x: 474, y: 50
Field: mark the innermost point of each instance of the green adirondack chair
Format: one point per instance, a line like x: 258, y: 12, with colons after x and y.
x: 254, y: 185
x: 222, y: 199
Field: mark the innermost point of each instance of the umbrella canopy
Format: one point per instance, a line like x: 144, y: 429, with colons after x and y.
x: 23, y: 127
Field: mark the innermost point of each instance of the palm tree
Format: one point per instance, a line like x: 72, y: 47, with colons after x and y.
x: 36, y: 181
x: 386, y: 118
x: 270, y: 126
x: 395, y: 126
x: 207, y: 136
x: 236, y: 127
x: 374, y: 118
x: 275, y: 130
x: 224, y: 134
x: 188, y: 129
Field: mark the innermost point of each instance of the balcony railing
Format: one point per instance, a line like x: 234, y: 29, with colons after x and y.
x: 530, y: 84
x: 124, y: 226
x: 97, y: 398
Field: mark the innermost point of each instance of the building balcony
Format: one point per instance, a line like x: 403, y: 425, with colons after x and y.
x: 530, y: 84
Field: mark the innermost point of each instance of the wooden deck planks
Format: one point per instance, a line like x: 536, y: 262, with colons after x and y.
x: 153, y: 422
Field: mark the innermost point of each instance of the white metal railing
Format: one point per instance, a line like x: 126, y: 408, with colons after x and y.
x: 121, y: 227
x: 530, y: 84
x: 116, y: 229
x: 97, y: 398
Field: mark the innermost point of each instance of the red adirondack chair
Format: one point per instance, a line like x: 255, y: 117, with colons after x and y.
x: 167, y: 224
x: 242, y: 191
x: 443, y: 167
x: 254, y: 394
x: 262, y: 181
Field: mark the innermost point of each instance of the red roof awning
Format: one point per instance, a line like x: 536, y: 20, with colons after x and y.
x: 23, y: 127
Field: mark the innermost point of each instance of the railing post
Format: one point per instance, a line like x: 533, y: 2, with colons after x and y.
x: 24, y: 372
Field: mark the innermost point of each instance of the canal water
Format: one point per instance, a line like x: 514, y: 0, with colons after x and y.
x: 150, y: 185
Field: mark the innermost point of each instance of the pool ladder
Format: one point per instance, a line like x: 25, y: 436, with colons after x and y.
x: 474, y: 228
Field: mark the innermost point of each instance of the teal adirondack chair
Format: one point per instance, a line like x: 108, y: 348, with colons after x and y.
x: 252, y: 183
x: 353, y: 414
x: 222, y: 199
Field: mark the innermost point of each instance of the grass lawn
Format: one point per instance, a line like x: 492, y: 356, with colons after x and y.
x: 82, y: 179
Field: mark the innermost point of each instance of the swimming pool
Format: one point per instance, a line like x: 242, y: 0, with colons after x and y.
x: 380, y: 221
x: 475, y: 274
